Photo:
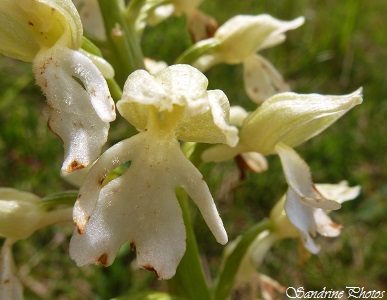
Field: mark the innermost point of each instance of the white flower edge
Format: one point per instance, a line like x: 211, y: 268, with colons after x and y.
x: 10, y: 286
x: 79, y: 113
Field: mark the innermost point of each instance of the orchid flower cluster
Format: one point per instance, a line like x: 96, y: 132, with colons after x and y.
x: 136, y: 191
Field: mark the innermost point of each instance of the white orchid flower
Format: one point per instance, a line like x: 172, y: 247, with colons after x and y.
x: 281, y: 123
x: 323, y: 224
x: 237, y: 42
x: 290, y: 214
x: 48, y: 33
x: 305, y: 222
x: 141, y: 206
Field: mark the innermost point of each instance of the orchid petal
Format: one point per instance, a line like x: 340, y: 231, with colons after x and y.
x: 205, y: 113
x: 78, y: 113
x: 210, y: 127
x: 261, y: 79
x: 293, y: 119
x: 92, y: 185
x: 298, y: 177
x: 10, y: 286
x: 324, y: 224
x: 255, y: 161
x: 300, y: 215
x: 237, y: 115
x: 340, y: 192
x: 91, y: 17
x: 27, y: 26
x: 243, y: 35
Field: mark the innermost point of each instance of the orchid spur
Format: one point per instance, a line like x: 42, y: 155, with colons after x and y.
x: 140, y: 206
x: 48, y: 33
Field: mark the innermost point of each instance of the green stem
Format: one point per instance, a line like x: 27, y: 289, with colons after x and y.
x: 226, y: 279
x: 189, y: 281
x: 126, y: 53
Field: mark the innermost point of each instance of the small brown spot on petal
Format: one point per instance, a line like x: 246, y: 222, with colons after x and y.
x: 150, y: 268
x: 335, y: 225
x: 74, y: 165
x: 81, y: 228
x: 6, y: 281
x: 102, y: 178
x: 30, y: 23
x: 132, y: 246
x: 102, y: 260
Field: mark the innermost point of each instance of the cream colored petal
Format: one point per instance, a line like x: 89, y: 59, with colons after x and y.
x: 29, y: 25
x: 103, y: 66
x: 20, y: 213
x: 300, y: 215
x: 140, y: 210
x: 340, y: 192
x: 193, y: 183
x: 79, y: 103
x: 16, y: 39
x: 154, y: 67
x: 92, y: 18
x: 293, y: 119
x: 237, y: 115
x: 255, y: 161
x: 243, y: 35
x: 53, y: 22
x: 219, y: 153
x: 207, y: 61
x: 186, y: 86
x: 115, y: 156
x: 261, y: 79
x: 10, y: 286
x: 298, y: 177
x: 210, y: 127
x: 140, y: 91
x: 324, y: 224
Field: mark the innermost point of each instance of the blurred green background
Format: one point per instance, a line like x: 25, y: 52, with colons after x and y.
x: 342, y: 46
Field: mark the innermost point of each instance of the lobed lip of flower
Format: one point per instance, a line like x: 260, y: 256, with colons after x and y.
x: 141, y: 206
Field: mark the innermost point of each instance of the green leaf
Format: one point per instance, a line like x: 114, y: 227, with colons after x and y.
x: 60, y: 198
